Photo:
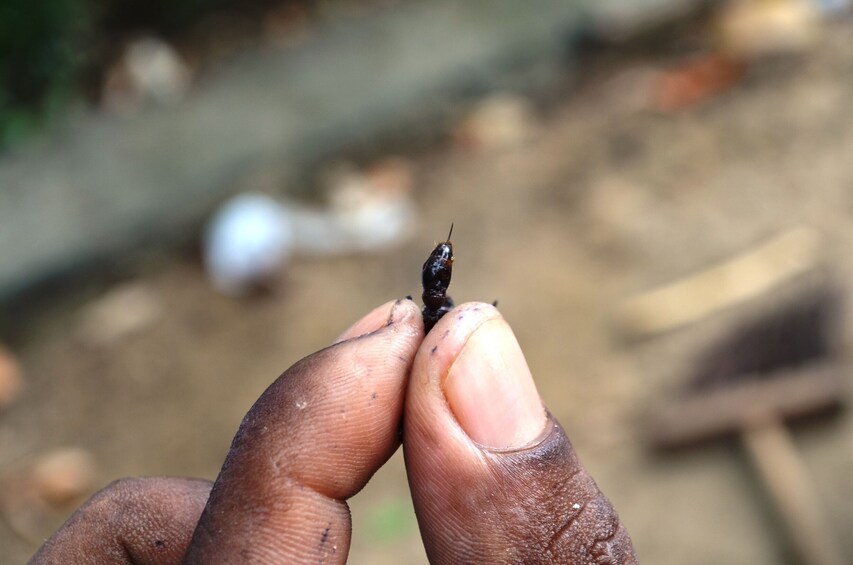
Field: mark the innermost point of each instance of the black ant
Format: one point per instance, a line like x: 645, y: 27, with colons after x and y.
x: 436, y: 278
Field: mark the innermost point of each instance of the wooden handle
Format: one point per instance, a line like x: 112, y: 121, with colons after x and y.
x: 794, y: 393
x: 774, y: 455
x: 742, y: 278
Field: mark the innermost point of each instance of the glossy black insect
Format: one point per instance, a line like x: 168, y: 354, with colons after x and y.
x: 436, y: 278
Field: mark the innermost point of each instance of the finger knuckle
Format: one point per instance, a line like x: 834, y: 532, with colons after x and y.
x: 592, y: 534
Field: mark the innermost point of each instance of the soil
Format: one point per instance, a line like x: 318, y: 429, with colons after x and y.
x: 606, y: 199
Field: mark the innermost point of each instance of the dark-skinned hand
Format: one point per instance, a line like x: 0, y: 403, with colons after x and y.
x: 493, y: 476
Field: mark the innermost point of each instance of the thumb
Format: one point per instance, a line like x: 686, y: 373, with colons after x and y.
x: 493, y: 476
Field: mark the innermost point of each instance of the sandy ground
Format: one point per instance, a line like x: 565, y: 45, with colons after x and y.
x: 605, y: 200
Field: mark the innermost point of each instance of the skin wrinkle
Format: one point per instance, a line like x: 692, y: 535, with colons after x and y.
x: 603, y: 553
x: 570, y: 522
x: 266, y: 522
x: 286, y: 395
x: 329, y: 528
x: 578, y: 488
x: 126, y: 554
x: 601, y: 547
x: 123, y: 522
x: 149, y: 526
x: 514, y: 527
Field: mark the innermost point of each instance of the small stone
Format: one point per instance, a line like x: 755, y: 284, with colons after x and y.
x: 36, y: 495
x: 150, y: 71
x: 248, y: 243
x: 368, y: 210
x: 749, y: 29
x: 11, y: 378
x: 391, y: 175
x: 118, y: 314
x: 695, y: 81
x: 286, y: 24
x: 498, y: 122
x: 64, y: 475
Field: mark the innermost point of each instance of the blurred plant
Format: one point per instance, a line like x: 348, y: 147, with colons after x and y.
x: 50, y: 48
x: 163, y: 16
x: 40, y: 50
x: 390, y: 520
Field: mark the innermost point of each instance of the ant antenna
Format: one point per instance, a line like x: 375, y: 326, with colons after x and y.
x: 450, y: 232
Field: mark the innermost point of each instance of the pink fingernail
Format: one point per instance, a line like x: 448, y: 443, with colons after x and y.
x: 491, y: 392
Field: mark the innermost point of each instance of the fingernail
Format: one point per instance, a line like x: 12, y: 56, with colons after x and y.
x: 491, y: 392
x: 401, y: 310
x: 378, y: 318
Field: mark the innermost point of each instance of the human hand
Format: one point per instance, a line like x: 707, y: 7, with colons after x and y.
x: 493, y: 477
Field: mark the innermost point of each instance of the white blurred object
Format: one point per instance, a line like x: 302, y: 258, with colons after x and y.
x: 252, y: 236
x: 248, y: 242
x: 368, y: 211
x: 749, y: 29
x: 149, y: 71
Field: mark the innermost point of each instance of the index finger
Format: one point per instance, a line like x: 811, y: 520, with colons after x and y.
x: 311, y: 441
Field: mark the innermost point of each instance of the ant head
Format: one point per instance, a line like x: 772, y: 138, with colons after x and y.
x: 443, y: 252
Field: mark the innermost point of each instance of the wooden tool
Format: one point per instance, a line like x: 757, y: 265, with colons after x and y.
x: 770, y: 372
x: 740, y: 279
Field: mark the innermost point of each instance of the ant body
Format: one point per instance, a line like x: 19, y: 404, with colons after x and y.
x: 435, y: 276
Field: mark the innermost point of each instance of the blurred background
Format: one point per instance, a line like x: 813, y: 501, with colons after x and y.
x: 195, y: 194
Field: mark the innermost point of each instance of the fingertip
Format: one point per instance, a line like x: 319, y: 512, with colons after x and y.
x: 400, y: 312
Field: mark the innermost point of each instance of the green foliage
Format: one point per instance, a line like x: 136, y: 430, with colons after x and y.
x: 40, y: 50
x: 390, y: 520
x: 178, y: 13
x: 164, y: 16
x: 45, y: 45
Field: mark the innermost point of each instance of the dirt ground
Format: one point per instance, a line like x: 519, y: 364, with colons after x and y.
x: 605, y: 200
